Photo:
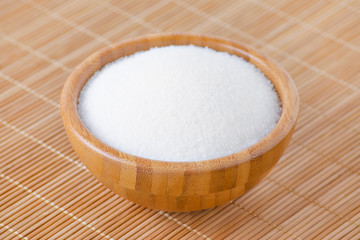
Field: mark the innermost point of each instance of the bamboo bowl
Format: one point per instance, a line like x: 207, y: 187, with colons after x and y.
x: 179, y: 186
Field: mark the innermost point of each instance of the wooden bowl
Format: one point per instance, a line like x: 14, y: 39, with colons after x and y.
x: 179, y: 186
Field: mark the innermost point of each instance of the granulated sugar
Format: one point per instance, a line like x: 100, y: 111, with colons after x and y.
x: 179, y: 103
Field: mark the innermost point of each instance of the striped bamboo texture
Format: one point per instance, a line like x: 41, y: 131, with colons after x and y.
x: 312, y: 193
x: 178, y: 186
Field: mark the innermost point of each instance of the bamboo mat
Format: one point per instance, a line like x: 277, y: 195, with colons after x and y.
x: 312, y: 193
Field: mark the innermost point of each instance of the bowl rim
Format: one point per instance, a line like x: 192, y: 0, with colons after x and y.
x: 289, y: 101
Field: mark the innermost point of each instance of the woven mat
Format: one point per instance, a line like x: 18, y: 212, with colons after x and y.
x: 313, y: 192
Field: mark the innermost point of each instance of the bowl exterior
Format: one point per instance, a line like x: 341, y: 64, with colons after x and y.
x: 174, y: 191
x: 179, y: 186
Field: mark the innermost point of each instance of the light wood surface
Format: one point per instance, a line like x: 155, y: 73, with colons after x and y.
x: 179, y: 186
x: 311, y: 193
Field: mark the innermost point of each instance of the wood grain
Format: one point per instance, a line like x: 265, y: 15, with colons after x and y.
x: 179, y: 186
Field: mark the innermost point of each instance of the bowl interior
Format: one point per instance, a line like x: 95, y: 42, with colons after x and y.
x: 282, y: 82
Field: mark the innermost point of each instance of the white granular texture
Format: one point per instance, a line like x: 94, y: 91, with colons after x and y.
x: 179, y: 103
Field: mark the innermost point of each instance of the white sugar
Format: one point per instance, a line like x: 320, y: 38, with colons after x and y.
x: 179, y: 103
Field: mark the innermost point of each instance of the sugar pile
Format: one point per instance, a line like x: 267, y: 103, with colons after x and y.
x: 179, y: 103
